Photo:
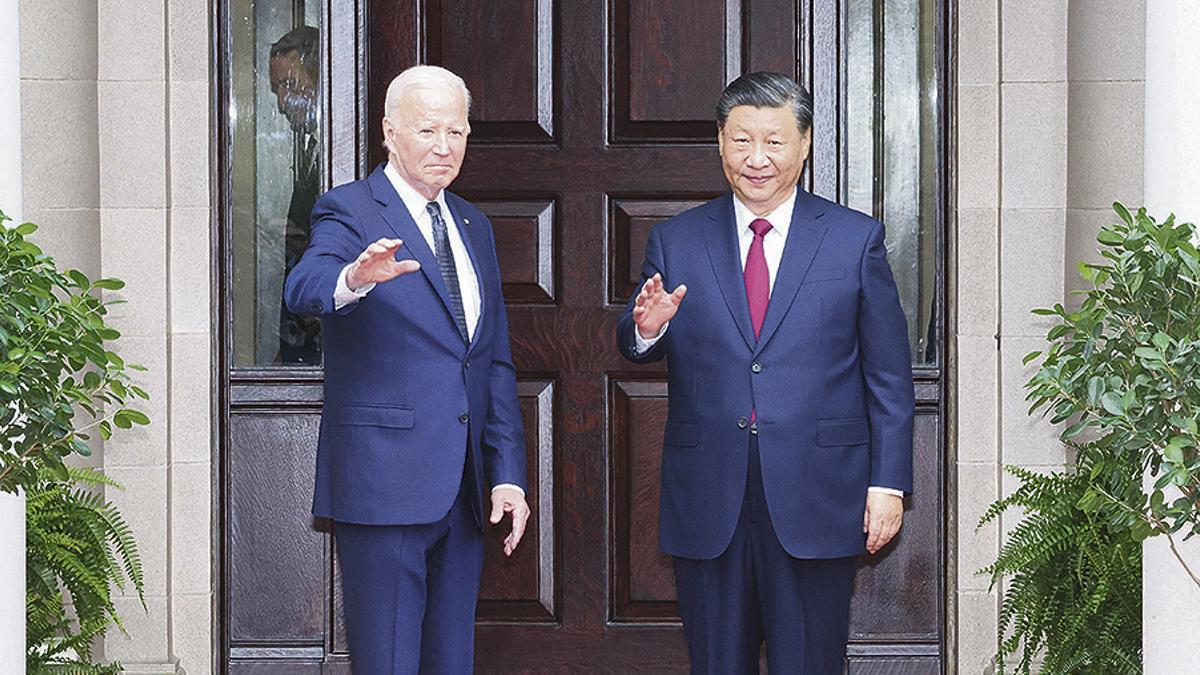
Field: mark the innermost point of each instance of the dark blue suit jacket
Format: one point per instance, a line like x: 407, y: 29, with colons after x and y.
x: 829, y: 376
x: 406, y: 402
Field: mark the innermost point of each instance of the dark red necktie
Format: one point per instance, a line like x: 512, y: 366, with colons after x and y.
x: 758, y: 282
x: 758, y: 279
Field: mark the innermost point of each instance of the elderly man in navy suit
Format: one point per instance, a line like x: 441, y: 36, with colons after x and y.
x: 788, y: 442
x: 420, y: 407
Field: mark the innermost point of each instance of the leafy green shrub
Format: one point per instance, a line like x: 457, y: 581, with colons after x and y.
x: 60, y: 383
x: 54, y: 362
x: 78, y: 542
x: 1124, y: 371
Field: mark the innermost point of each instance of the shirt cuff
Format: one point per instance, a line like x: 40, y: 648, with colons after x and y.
x: 343, y: 295
x: 518, y: 488
x: 887, y: 491
x: 644, y: 345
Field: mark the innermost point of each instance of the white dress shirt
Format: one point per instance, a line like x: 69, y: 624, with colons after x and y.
x: 468, y: 282
x: 773, y: 241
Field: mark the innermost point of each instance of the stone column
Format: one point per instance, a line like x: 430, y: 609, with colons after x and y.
x: 1171, y: 601
x: 12, y: 507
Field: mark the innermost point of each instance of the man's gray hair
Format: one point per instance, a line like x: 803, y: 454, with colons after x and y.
x: 766, y: 90
x: 422, y: 76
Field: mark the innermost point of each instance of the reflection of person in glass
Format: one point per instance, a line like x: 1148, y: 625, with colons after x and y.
x: 294, y: 70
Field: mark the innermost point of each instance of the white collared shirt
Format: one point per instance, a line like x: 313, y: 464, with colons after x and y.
x: 468, y: 282
x: 773, y: 241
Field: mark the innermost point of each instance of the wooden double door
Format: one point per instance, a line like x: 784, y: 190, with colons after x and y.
x: 592, y: 120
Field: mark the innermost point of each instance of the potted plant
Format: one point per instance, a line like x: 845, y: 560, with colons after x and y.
x: 60, y: 384
x: 1124, y: 371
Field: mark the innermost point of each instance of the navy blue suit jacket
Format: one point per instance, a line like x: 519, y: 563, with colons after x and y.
x: 829, y: 377
x: 407, y: 403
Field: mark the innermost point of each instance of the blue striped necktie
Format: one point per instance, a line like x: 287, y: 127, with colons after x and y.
x: 445, y: 258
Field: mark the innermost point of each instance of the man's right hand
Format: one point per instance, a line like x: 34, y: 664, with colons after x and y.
x: 378, y: 264
x: 655, y: 307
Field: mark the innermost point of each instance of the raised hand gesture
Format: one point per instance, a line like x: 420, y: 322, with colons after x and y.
x: 378, y: 264
x: 655, y: 307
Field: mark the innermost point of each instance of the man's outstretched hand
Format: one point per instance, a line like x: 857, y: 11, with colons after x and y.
x: 654, y: 307
x: 378, y: 264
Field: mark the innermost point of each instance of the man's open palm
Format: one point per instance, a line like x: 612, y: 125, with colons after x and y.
x: 378, y: 264
x: 654, y: 306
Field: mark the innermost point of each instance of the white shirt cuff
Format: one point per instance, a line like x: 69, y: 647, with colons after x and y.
x: 887, y: 491
x: 509, y: 485
x: 644, y: 345
x: 343, y: 295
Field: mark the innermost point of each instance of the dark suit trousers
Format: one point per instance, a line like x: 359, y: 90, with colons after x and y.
x: 410, y: 592
x: 755, y: 591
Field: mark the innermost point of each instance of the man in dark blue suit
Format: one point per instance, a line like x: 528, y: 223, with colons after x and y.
x: 788, y: 443
x: 420, y: 406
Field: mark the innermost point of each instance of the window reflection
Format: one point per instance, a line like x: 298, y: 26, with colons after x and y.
x: 892, y: 148
x: 275, y: 160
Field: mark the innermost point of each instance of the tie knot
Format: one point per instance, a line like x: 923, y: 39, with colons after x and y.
x: 761, y: 226
x: 435, y: 211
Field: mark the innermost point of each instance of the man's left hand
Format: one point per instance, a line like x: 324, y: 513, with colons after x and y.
x: 508, y: 500
x: 882, y: 519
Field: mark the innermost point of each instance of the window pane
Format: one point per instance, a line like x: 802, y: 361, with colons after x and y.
x: 892, y: 146
x: 275, y: 160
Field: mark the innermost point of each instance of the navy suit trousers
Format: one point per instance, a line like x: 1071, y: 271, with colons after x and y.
x: 410, y: 591
x: 755, y: 592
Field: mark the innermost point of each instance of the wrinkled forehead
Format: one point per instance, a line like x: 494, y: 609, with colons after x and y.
x: 433, y: 103
x: 761, y: 121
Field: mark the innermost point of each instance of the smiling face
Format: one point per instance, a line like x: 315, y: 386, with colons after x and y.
x: 426, y: 137
x: 763, y: 154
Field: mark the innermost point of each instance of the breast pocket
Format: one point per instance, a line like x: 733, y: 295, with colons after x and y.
x: 819, y: 274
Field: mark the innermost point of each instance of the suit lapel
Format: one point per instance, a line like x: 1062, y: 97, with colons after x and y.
x: 804, y: 238
x: 726, y: 260
x: 467, y: 230
x: 400, y: 221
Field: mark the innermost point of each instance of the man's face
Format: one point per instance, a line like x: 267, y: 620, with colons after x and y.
x: 295, y: 90
x: 426, y: 137
x: 763, y: 154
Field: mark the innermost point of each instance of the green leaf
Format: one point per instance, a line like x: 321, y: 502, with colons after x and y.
x: 1111, y: 401
x: 1029, y: 357
x: 1148, y: 353
x: 109, y: 284
x: 137, y: 416
x: 79, y: 278
x: 1173, y: 454
x: 1123, y: 212
x: 26, y: 229
x: 1109, y: 238
x: 1161, y: 340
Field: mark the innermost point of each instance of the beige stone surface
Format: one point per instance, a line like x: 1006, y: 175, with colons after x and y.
x: 978, y: 146
x: 58, y: 172
x: 191, y: 545
x: 133, y: 144
x: 1033, y: 149
x: 977, y: 546
x: 978, y: 42
x: 190, y: 270
x: 132, y: 42
x: 134, y: 249
x: 189, y: 144
x: 1105, y: 141
x: 1106, y: 40
x: 58, y: 39
x: 1034, y: 34
x: 978, y: 272
x: 978, y: 384
x: 143, y: 503
x: 1025, y: 440
x: 1031, y: 262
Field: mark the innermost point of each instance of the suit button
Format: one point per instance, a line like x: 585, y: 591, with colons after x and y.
x: 316, y: 306
x: 756, y: 367
x: 464, y: 418
x: 743, y: 422
x: 466, y: 364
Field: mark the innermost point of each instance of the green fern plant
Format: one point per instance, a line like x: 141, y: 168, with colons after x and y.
x: 1072, y: 595
x: 79, y: 544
